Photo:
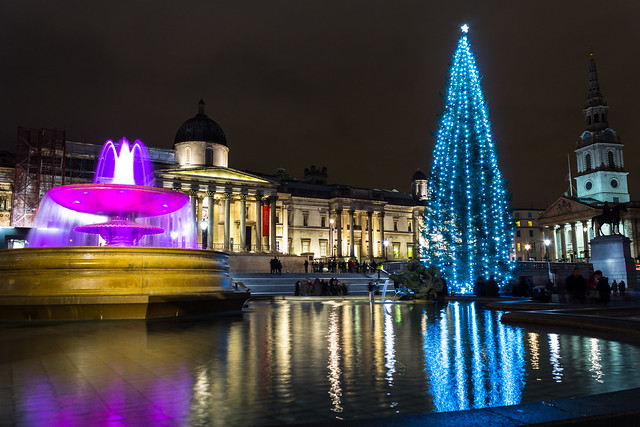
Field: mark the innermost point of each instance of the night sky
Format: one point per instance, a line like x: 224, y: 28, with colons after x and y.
x: 351, y: 85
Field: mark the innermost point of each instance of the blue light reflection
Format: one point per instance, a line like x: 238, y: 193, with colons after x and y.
x: 482, y: 368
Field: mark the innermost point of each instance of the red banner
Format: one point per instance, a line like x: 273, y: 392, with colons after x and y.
x: 265, y: 220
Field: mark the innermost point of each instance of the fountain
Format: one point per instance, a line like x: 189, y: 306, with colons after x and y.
x: 116, y: 248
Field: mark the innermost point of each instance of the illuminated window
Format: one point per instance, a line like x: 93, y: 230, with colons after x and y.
x: 323, y: 248
x: 530, y: 224
x: 517, y: 223
x: 519, y: 247
x: 396, y: 250
x: 410, y: 251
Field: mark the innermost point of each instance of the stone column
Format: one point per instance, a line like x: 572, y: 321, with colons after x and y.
x: 272, y: 225
x: 199, y: 220
x: 585, y: 239
x: 243, y: 222
x: 193, y: 197
x: 285, y: 228
x: 563, y: 241
x: 211, y: 201
x: 339, y: 232
x: 258, y: 223
x: 227, y: 220
x: 382, y: 231
x: 352, y: 239
x: 574, y: 242
x: 370, y: 225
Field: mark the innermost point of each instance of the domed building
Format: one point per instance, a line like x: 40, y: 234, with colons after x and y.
x: 249, y: 213
x: 200, y: 141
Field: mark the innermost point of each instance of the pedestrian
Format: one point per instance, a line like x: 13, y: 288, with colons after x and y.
x: 306, y: 266
x: 622, y: 287
x: 602, y: 288
x: 614, y: 288
x: 576, y: 287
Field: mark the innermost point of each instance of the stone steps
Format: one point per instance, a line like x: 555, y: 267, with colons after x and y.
x: 265, y: 284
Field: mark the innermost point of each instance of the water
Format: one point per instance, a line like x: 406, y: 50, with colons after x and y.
x: 121, y: 207
x: 295, y: 362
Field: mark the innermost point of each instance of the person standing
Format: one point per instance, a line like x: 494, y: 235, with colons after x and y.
x: 306, y: 266
x: 603, y: 290
x: 622, y: 287
x: 577, y: 287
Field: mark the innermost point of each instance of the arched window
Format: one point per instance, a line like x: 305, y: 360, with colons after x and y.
x: 187, y: 155
x: 587, y: 160
x: 208, y: 156
x: 610, y: 159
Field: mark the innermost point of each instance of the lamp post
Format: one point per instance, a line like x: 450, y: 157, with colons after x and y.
x: 527, y: 247
x: 547, y: 242
x: 203, y: 226
x: 385, y: 243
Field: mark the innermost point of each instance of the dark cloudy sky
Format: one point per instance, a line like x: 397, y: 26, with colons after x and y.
x: 352, y: 85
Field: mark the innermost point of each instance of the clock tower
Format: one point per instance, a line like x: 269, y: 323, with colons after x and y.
x: 601, y: 174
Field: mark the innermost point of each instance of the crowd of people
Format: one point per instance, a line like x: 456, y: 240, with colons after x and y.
x: 595, y: 290
x: 333, y: 266
x: 320, y: 287
x: 486, y: 288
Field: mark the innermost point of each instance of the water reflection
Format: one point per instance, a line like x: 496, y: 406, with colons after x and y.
x: 297, y: 362
x: 490, y: 351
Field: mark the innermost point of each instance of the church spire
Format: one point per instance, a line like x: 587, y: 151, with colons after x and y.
x: 596, y: 109
x: 595, y: 97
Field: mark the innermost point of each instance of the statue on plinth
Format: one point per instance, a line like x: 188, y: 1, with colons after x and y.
x: 609, y: 216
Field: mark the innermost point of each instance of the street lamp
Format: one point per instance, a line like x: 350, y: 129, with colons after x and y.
x: 547, y: 242
x: 385, y: 242
x: 203, y: 227
x: 527, y: 247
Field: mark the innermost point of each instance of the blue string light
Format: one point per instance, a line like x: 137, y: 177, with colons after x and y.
x: 468, y: 225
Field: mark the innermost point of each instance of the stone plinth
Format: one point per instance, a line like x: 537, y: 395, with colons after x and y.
x: 612, y: 255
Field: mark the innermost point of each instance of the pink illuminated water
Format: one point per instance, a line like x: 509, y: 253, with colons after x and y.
x: 120, y: 208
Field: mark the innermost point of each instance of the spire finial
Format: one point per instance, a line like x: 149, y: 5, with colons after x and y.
x: 465, y: 29
x: 201, y: 107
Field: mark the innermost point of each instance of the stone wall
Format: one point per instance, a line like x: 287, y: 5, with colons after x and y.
x: 259, y: 263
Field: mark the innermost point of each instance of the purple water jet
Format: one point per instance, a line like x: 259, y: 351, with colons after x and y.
x: 120, y: 208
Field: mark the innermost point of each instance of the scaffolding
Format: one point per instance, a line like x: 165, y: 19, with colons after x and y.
x: 40, y: 166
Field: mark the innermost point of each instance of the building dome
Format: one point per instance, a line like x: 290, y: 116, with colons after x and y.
x: 418, y: 176
x: 201, y: 128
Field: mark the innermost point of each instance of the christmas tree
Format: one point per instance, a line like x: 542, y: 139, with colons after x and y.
x: 468, y: 226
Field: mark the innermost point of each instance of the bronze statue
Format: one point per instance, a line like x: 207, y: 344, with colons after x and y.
x: 608, y: 216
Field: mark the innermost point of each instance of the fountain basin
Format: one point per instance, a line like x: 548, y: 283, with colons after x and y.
x: 82, y: 283
x: 115, y: 199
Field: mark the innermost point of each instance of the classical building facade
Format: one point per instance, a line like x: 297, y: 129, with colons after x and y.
x: 241, y: 211
x: 601, y: 179
x: 249, y: 212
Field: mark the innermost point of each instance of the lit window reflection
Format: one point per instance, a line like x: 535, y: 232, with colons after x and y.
x: 595, y: 359
x: 333, y: 366
x: 554, y: 359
